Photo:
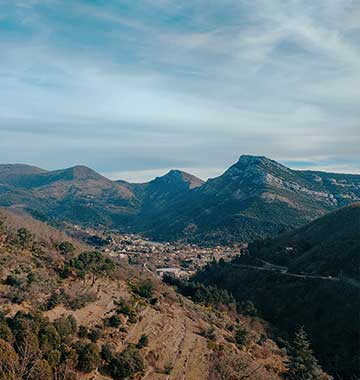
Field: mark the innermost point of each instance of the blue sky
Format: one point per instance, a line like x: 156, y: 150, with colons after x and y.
x: 134, y: 88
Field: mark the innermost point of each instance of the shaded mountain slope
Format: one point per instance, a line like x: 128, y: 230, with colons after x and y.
x: 328, y: 246
x: 320, y: 288
x: 255, y: 197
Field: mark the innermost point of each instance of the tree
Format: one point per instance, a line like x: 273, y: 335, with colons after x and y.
x: 24, y: 237
x: 143, y: 341
x: 49, y: 339
x: 240, y: 336
x: 88, y: 357
x: 41, y: 370
x: 66, y: 326
x: 303, y: 364
x: 126, y: 364
x: 66, y: 248
x: 9, y: 361
x: 92, y: 263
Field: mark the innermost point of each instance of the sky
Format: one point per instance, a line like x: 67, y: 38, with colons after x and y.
x: 134, y: 88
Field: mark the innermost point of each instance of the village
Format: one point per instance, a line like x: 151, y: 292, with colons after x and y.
x: 176, y: 258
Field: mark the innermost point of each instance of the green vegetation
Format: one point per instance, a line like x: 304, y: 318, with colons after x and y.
x: 123, y: 365
x: 200, y: 293
x: 88, y: 356
x: 327, y: 305
x: 143, y: 289
x: 302, y: 363
x: 143, y: 341
x: 93, y: 264
x: 241, y: 336
x: 66, y: 248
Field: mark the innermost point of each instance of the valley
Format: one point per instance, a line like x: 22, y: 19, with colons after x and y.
x: 177, y: 278
x: 255, y: 198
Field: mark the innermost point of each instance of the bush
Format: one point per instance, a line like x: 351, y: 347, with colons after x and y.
x: 168, y: 368
x: 114, y: 321
x: 12, y: 281
x: 107, y: 352
x: 9, y: 361
x: 143, y: 341
x: 209, y: 333
x: 240, y: 336
x: 49, y: 338
x: 144, y: 289
x: 126, y: 364
x: 94, y: 335
x: 88, y: 357
x: 53, y: 301
x: 81, y: 300
x: 83, y: 331
x: 5, y: 332
x: 66, y: 326
x: 66, y: 248
x: 41, y: 371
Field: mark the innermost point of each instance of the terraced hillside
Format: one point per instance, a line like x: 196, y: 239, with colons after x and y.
x: 74, y: 314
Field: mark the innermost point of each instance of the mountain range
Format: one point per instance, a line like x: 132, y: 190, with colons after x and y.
x: 255, y: 197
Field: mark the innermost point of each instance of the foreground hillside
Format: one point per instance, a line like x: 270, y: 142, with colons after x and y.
x: 306, y: 277
x: 71, y: 314
x: 256, y: 197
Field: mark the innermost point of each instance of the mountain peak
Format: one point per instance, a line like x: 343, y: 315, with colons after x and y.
x: 176, y: 175
x: 79, y: 172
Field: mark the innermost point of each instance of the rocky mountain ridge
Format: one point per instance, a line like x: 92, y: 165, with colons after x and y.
x: 255, y: 197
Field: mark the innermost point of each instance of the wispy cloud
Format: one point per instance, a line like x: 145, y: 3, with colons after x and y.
x: 189, y: 84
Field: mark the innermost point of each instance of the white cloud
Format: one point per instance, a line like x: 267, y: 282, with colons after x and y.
x: 280, y: 79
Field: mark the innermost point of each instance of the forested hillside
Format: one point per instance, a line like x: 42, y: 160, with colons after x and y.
x: 308, y: 277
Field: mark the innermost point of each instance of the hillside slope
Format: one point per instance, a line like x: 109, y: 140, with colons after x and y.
x: 82, y: 315
x: 77, y: 194
x: 317, y: 285
x: 255, y: 197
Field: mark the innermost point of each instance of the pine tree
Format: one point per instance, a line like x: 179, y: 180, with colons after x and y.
x: 303, y: 364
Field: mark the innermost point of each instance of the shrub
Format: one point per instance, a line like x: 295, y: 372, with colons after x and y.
x: 126, y: 364
x: 114, y: 321
x: 143, y: 341
x: 88, y: 357
x: 66, y: 325
x: 5, y: 332
x: 40, y: 371
x: 12, y: 281
x: 24, y: 237
x: 94, y: 335
x: 53, y: 358
x: 9, y: 361
x: 107, y: 352
x: 168, y: 368
x: 81, y: 300
x: 49, y: 338
x: 53, y: 301
x: 209, y: 333
x: 83, y: 331
x: 240, y: 336
x: 66, y: 248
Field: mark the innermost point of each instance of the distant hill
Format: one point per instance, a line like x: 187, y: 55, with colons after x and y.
x: 256, y: 197
x: 320, y: 288
x: 77, y: 194
x: 328, y: 246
